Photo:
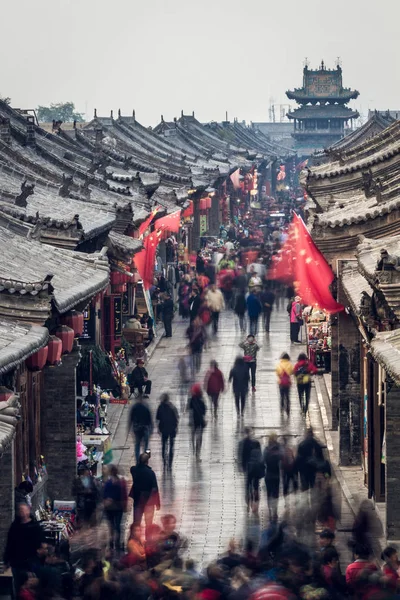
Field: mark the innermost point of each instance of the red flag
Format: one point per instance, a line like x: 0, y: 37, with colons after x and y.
x: 235, y: 179
x: 188, y: 212
x: 283, y: 263
x: 170, y: 222
x: 312, y: 272
x: 148, y: 221
x: 144, y: 260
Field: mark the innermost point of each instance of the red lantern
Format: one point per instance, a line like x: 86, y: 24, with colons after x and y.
x: 66, y: 335
x: 208, y: 203
x: 202, y: 204
x: 55, y: 350
x: 116, y: 278
x: 74, y: 319
x: 119, y: 289
x: 37, y: 361
x: 5, y: 393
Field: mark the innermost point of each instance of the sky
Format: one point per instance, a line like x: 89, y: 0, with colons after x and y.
x: 209, y: 56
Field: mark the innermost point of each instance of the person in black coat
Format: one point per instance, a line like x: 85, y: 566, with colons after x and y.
x: 144, y: 491
x: 240, y: 309
x: 141, y: 424
x: 240, y: 378
x: 25, y: 537
x: 194, y: 304
x: 309, y: 457
x: 197, y: 410
x: 267, y: 299
x: 168, y: 419
x: 138, y: 378
x: 167, y: 308
x: 200, y: 263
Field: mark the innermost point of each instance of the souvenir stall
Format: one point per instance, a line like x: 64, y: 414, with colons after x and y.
x: 57, y: 522
x: 318, y: 338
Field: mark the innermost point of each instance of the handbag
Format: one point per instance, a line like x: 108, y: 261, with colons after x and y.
x: 248, y: 358
x: 300, y: 322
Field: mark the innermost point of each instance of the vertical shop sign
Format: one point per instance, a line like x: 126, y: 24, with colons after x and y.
x: 203, y: 224
x: 117, y: 316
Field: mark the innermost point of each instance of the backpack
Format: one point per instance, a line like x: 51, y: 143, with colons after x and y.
x: 285, y: 380
x: 302, y: 374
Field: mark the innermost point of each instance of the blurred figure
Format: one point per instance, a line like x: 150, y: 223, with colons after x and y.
x: 214, y: 385
x: 295, y: 320
x: 254, y: 309
x: 284, y: 370
x: 390, y: 569
x: 239, y: 375
x: 141, y: 424
x: 272, y: 461
x: 144, y: 491
x: 358, y: 574
x: 309, y: 452
x: 168, y: 419
x: 251, y: 464
x: 86, y: 496
x: 136, y: 553
x: 216, y: 304
x: 198, y: 411
x: 303, y: 371
x: 289, y: 469
x: 200, y: 263
x: 267, y: 299
x: 194, y: 303
x: 167, y: 311
x: 115, y: 501
x: 240, y: 309
x: 184, y: 381
x: 197, y: 338
x: 250, y: 349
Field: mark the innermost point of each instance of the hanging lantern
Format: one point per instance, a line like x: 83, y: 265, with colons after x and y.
x: 74, y: 319
x: 5, y: 393
x: 55, y: 350
x: 119, y: 289
x: 202, y: 204
x: 37, y: 361
x: 208, y: 203
x: 116, y: 278
x: 66, y: 335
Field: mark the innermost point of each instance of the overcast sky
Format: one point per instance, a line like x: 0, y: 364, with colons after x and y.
x: 210, y: 56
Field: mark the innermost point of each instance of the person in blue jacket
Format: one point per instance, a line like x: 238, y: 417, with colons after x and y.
x: 254, y: 310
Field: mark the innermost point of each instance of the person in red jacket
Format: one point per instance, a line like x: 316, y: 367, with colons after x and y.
x: 358, y: 574
x: 214, y: 384
x: 303, y: 372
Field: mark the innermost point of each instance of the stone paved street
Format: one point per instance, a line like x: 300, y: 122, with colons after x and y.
x: 208, y: 498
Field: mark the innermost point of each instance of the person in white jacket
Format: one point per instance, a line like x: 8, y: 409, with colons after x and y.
x: 215, y: 302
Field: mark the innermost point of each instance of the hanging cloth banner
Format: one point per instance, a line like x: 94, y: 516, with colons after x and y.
x: 146, y: 224
x: 144, y: 260
x: 170, y: 222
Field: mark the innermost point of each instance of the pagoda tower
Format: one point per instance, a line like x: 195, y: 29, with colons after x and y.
x: 320, y: 119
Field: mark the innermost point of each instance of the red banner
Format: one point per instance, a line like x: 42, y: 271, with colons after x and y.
x: 170, y: 222
x: 144, y: 260
x: 146, y: 224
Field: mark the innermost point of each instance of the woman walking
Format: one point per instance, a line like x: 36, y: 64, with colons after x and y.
x: 214, y: 385
x: 303, y: 371
x: 272, y: 461
x: 250, y: 349
x: 240, y: 309
x: 284, y: 370
x: 240, y: 377
x: 115, y: 504
x: 198, y: 411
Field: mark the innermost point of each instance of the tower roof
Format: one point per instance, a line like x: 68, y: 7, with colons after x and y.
x: 322, y: 85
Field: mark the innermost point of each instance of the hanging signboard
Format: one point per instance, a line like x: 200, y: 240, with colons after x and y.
x: 117, y: 316
x: 203, y: 224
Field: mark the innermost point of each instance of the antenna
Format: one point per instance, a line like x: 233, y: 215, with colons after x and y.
x: 338, y: 62
x: 306, y: 63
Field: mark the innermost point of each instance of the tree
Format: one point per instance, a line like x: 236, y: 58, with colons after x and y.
x: 5, y: 99
x: 62, y: 111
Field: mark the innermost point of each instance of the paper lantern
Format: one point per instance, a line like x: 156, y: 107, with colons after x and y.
x: 74, y: 319
x: 5, y: 393
x: 117, y: 278
x: 37, y: 361
x: 66, y: 335
x: 208, y: 203
x: 119, y: 289
x: 202, y: 204
x: 55, y: 350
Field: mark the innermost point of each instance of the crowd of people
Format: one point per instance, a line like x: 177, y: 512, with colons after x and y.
x: 296, y: 556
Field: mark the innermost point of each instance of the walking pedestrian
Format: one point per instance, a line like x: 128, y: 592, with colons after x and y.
x: 267, y: 299
x: 141, y: 424
x: 139, y: 379
x: 144, y: 492
x: 197, y: 421
x: 240, y: 309
x: 253, y: 309
x: 197, y: 337
x: 214, y: 385
x: 115, y: 501
x: 303, y: 371
x: 250, y: 349
x: 284, y: 370
x: 184, y: 380
x: 296, y: 320
x: 239, y: 375
x: 168, y: 419
x: 25, y: 537
x: 194, y: 303
x: 289, y: 469
x: 167, y: 311
x: 86, y: 494
x: 309, y: 454
x: 272, y: 461
x: 200, y: 263
x: 216, y: 304
x: 252, y: 465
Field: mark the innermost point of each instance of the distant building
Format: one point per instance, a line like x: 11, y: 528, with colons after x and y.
x: 279, y: 133
x: 322, y: 116
x: 394, y: 114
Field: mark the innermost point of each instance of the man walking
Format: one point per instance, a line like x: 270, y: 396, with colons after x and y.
x: 141, y: 424
x: 254, y: 310
x: 167, y: 308
x: 267, y: 302
x: 168, y: 419
x: 216, y: 304
x: 144, y: 491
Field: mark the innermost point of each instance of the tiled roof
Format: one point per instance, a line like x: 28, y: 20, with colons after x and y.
x: 124, y: 243
x: 18, y: 341
x: 328, y: 111
x: 9, y: 411
x: 385, y: 348
x: 355, y: 285
x: 28, y: 267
